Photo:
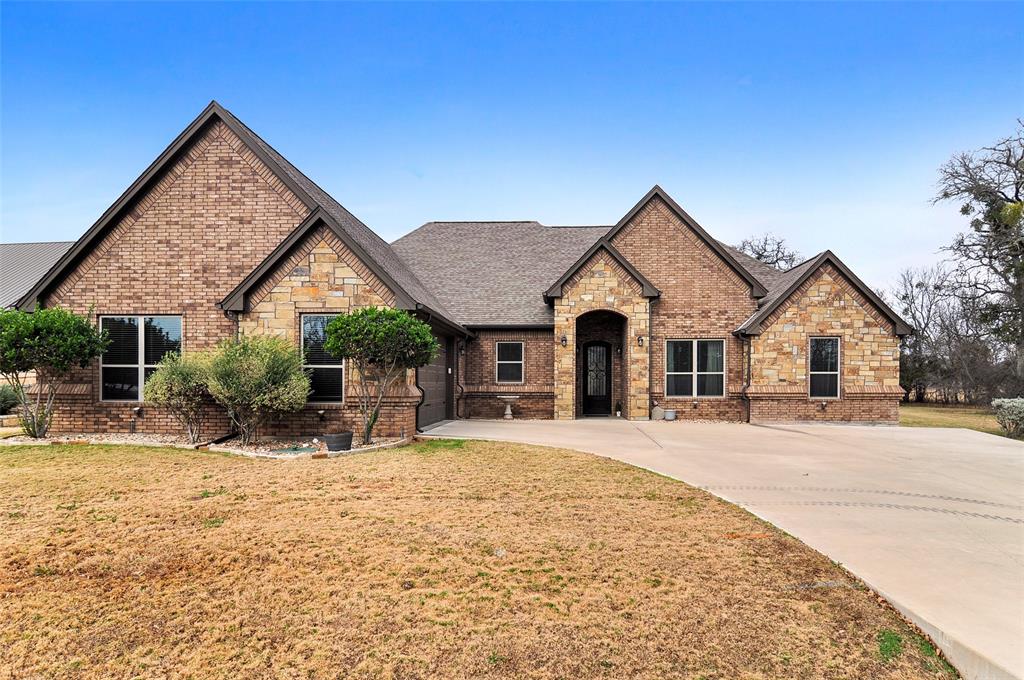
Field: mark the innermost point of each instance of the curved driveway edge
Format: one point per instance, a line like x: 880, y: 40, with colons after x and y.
x: 932, y: 519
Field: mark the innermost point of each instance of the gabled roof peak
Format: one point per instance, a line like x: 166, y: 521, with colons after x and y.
x: 757, y: 290
x: 368, y: 246
x: 795, y: 277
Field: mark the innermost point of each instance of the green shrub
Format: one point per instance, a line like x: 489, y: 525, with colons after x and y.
x: 8, y: 399
x: 254, y: 378
x: 1010, y: 415
x: 52, y: 342
x: 382, y: 344
x: 179, y: 385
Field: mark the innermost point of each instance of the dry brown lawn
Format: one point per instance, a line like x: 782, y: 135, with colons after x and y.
x: 445, y: 559
x: 937, y: 415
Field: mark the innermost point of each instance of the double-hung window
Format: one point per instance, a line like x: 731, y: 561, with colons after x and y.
x: 695, y: 368
x: 326, y: 372
x: 508, y: 362
x: 137, y: 344
x: 824, y: 368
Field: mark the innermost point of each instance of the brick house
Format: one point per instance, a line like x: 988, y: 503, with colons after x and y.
x: 221, y: 235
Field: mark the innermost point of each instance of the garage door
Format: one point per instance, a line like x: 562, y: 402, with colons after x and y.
x: 433, y: 380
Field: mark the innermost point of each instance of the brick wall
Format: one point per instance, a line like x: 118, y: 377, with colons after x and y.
x: 478, y: 384
x: 826, y: 305
x: 701, y: 298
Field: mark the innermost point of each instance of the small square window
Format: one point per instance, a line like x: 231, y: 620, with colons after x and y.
x: 508, y: 362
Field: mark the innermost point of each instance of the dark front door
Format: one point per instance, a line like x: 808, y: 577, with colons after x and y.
x: 597, y: 379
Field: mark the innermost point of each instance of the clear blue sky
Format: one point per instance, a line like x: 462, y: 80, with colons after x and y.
x: 822, y: 123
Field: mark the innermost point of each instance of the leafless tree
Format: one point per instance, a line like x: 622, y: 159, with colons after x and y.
x: 770, y: 249
x: 989, y: 257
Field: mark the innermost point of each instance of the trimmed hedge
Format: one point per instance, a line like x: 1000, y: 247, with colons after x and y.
x: 1010, y: 415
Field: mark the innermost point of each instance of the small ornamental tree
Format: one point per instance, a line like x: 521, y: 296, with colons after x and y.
x: 52, y: 342
x: 255, y: 378
x: 179, y: 385
x: 382, y: 344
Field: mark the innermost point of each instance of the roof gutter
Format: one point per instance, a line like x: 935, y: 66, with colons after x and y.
x: 439, y: 320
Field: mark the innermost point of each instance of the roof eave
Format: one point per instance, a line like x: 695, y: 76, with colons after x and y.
x: 752, y: 326
x: 649, y: 290
x: 442, y: 321
x: 237, y: 300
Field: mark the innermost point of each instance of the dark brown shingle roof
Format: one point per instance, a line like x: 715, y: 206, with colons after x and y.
x: 494, y: 273
x: 22, y: 264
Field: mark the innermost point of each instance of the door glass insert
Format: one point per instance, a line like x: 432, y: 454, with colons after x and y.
x: 597, y: 362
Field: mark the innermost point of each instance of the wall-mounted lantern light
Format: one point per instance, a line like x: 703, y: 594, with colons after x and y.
x: 640, y: 340
x: 565, y: 341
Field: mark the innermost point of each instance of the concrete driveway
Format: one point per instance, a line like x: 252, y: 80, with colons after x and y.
x: 930, y: 518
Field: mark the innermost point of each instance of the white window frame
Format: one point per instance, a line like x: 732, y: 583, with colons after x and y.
x: 694, y: 373
x: 141, y: 365
x: 838, y: 373
x: 302, y: 348
x: 521, y: 362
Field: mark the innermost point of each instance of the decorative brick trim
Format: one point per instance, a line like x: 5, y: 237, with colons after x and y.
x: 261, y: 169
x: 656, y: 208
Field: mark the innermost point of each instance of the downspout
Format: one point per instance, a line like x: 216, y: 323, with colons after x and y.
x: 416, y: 372
x: 749, y: 374
x: 460, y: 354
x: 650, y: 356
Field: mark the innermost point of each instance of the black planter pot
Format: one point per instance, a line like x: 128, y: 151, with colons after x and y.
x: 338, y: 442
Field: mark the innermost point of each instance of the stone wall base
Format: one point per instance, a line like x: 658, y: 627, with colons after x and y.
x: 878, y: 410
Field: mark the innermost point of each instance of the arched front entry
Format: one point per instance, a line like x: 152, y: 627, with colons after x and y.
x: 600, y: 369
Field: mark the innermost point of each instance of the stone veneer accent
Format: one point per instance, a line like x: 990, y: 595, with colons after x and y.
x: 601, y: 284
x: 323, y: 276
x: 825, y: 305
